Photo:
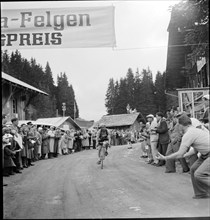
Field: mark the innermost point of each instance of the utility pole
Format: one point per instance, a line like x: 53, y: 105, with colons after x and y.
x: 63, y: 108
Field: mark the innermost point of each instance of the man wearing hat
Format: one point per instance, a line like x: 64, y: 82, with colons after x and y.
x: 164, y: 138
x: 153, y: 138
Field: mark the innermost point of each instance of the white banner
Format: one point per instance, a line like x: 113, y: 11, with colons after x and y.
x: 58, y: 28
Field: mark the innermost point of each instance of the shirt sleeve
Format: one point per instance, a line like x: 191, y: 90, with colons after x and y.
x: 187, y: 141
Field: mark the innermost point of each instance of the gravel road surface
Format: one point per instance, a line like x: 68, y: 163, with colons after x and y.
x: 74, y: 186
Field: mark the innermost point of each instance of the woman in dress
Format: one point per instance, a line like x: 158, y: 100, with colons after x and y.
x: 51, y: 134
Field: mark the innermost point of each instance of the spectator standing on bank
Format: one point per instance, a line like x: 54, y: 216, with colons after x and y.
x: 31, y: 140
x: 85, y: 141
x: 4, y: 121
x: 72, y: 132
x: 90, y: 138
x: 64, y: 143
x: 9, y: 153
x: 175, y: 141
x: 94, y: 133
x: 24, y: 152
x: 120, y: 137
x: 45, y: 143
x: 56, y: 142
x: 39, y: 142
x: 154, y: 137
x: 14, y: 131
x: 146, y: 134
x: 69, y: 142
x: 117, y: 137
x: 78, y: 141
x: 164, y: 139
x: 128, y: 138
x: 51, y: 134
x: 142, y: 139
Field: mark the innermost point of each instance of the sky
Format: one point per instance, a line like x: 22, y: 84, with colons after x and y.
x: 141, y: 42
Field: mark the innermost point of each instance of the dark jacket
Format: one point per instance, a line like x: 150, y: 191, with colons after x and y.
x: 162, y: 130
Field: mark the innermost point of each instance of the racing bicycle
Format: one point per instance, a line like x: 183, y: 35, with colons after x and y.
x: 103, y: 152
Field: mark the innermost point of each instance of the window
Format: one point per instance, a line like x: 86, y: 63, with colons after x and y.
x: 191, y: 102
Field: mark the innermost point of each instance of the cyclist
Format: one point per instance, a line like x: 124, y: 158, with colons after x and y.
x: 102, y: 135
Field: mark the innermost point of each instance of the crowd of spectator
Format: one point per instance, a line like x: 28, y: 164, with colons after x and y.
x: 121, y: 136
x: 163, y: 134
x: 23, y: 145
x: 178, y: 136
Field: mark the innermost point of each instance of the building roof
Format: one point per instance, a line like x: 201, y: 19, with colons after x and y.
x: 20, y: 122
x: 20, y: 83
x: 57, y: 121
x: 83, y: 123
x: 118, y: 120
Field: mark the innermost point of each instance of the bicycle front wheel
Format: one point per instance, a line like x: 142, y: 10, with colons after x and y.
x: 102, y: 164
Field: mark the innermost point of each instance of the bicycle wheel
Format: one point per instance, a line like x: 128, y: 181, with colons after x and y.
x: 102, y: 156
x: 102, y: 164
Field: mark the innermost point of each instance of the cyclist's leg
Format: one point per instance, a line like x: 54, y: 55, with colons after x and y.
x: 99, y: 152
x: 107, y: 145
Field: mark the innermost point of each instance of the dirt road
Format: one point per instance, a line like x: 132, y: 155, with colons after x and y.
x: 74, y: 186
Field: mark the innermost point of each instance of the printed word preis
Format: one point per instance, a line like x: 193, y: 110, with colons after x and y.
x: 31, y: 39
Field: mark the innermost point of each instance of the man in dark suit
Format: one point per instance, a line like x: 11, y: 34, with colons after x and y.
x: 164, y: 138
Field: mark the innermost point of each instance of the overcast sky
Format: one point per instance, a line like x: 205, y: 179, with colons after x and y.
x: 141, y: 39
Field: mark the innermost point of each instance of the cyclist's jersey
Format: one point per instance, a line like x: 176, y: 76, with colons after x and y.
x: 103, y: 135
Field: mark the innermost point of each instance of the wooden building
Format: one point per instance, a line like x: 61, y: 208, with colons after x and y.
x: 65, y: 123
x: 121, y: 121
x: 16, y: 96
x: 184, y: 77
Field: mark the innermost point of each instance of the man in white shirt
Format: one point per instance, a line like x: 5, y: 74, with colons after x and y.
x: 200, y: 170
x: 153, y: 137
x: 206, y: 116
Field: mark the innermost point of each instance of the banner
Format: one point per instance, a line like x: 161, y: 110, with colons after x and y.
x: 58, y: 28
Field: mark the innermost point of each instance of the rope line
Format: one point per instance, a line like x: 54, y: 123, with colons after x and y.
x: 152, y: 47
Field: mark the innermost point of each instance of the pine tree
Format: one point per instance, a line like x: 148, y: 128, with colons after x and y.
x: 137, y: 90
x: 147, y: 99
x: 16, y: 65
x: 45, y: 105
x: 122, y: 99
x: 65, y: 94
x: 115, y: 97
x: 160, y: 97
x: 130, y: 84
x: 110, y: 95
x: 5, y: 67
x: 33, y: 74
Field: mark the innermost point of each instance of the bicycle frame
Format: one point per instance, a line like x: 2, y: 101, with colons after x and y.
x: 102, y: 153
